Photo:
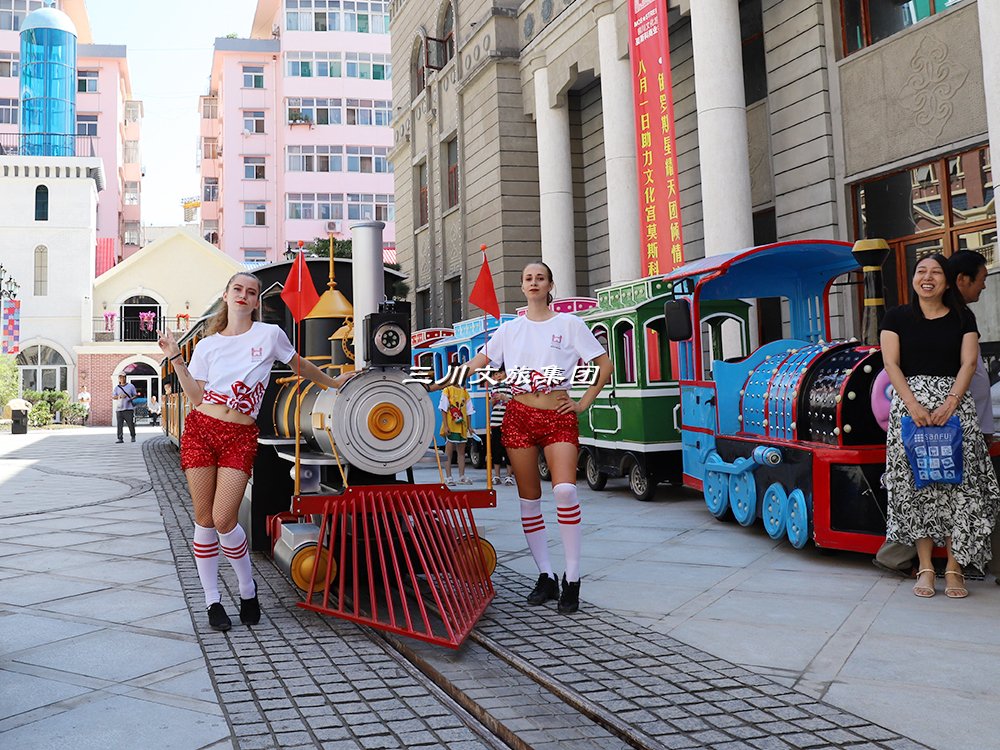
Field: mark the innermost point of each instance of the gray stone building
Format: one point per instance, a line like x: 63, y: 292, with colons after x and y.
x: 794, y: 118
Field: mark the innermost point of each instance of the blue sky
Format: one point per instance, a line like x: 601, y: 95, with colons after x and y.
x: 170, y: 57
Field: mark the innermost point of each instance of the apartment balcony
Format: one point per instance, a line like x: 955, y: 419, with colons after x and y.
x: 113, y: 328
x: 47, y: 144
x: 131, y: 212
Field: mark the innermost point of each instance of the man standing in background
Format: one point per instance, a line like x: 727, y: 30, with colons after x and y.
x: 124, y: 395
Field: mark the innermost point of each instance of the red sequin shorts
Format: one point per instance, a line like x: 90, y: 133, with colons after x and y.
x: 208, y: 441
x: 526, y: 427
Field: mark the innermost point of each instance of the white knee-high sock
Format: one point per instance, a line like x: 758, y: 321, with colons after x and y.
x: 206, y: 557
x: 234, y: 545
x: 568, y: 509
x: 534, y: 532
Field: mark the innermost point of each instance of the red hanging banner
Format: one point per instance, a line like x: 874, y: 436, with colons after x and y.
x: 662, y: 243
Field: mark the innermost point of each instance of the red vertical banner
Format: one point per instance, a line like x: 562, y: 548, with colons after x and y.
x: 662, y: 243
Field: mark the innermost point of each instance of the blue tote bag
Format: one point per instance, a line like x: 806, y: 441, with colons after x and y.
x: 934, y: 453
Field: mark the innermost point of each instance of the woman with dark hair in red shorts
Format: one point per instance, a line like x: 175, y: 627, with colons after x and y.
x: 225, y: 381
x: 542, y: 415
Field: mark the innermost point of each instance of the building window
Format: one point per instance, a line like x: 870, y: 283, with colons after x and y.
x: 313, y: 15
x: 254, y: 215
x: 8, y: 65
x: 133, y: 111
x: 367, y: 159
x: 210, y: 108
x: 371, y: 17
x: 418, y: 66
x: 315, y: 158
x: 255, y: 255
x: 869, y: 21
x: 41, y: 271
x: 210, y: 231
x: 209, y: 148
x: 451, y: 152
x: 86, y: 124
x: 253, y: 121
x: 253, y: 167
x: 367, y: 206
x: 754, y: 67
x: 313, y: 64
x: 368, y: 66
x: 325, y: 206
x: 131, y: 193
x: 131, y: 233
x: 424, y: 309
x: 210, y: 189
x: 41, y: 203
x: 422, y: 209
x: 316, y: 111
x: 131, y: 154
x: 253, y: 76
x: 368, y: 112
x: 42, y: 368
x: 937, y: 207
x: 453, y: 292
x: 12, y: 13
x: 86, y: 81
x: 8, y: 111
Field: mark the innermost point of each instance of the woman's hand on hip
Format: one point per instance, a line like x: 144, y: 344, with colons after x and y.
x: 569, y: 406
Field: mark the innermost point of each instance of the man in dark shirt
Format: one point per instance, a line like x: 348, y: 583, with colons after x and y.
x: 124, y: 395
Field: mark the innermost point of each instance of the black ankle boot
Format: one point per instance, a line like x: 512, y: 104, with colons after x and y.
x: 250, y: 608
x: 569, y: 601
x: 218, y: 619
x: 546, y: 589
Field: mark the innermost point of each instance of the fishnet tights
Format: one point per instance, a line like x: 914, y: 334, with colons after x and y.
x: 216, y: 493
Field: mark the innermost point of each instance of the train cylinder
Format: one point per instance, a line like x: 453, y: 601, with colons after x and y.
x: 295, y: 553
x: 369, y: 279
x: 871, y: 254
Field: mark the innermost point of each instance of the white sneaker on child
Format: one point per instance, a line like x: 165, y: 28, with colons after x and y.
x: 496, y: 479
x: 508, y: 480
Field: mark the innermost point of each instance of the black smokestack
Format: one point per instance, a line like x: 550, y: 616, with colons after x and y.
x: 871, y: 254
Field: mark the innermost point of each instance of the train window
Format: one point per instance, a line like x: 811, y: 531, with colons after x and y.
x: 601, y: 334
x: 657, y: 351
x: 723, y: 337
x: 624, y: 358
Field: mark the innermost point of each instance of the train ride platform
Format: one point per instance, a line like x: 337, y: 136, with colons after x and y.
x: 692, y: 634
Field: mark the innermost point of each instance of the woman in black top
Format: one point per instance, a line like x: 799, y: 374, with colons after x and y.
x: 930, y: 348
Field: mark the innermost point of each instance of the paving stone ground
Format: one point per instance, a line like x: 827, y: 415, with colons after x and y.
x: 302, y: 680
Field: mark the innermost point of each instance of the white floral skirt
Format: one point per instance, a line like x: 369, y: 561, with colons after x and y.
x: 964, y: 512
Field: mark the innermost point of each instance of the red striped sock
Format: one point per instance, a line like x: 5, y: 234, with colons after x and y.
x: 236, y: 547
x: 568, y: 509
x: 206, y: 558
x: 534, y: 532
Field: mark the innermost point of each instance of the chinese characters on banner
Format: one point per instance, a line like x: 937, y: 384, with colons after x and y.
x: 662, y: 245
x: 10, y: 326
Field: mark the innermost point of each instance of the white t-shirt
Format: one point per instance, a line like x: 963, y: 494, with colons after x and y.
x: 237, y: 369
x: 544, y: 349
x: 444, y: 403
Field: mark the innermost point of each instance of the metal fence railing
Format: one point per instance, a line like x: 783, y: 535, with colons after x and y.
x: 47, y: 144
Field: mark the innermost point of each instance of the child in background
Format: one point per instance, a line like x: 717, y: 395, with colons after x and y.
x: 456, y: 408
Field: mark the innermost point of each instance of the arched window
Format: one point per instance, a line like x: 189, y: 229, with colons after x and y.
x: 42, y: 368
x: 448, y: 32
x: 419, y: 79
x: 657, y: 351
x: 135, y: 321
x: 41, y: 203
x: 41, y: 271
x: 624, y: 353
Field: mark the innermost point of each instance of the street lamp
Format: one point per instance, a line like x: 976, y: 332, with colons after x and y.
x: 8, y: 287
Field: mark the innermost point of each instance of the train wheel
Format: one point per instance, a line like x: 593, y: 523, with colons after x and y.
x: 797, y: 520
x: 743, y: 498
x: 477, y: 454
x: 773, y: 510
x: 595, y: 479
x: 543, y: 468
x: 642, y: 485
x: 716, y: 489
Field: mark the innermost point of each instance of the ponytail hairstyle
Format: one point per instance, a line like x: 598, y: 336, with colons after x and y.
x: 220, y: 320
x: 951, y: 298
x: 548, y: 297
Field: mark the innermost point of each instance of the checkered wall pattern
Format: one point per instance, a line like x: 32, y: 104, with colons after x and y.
x: 10, y: 326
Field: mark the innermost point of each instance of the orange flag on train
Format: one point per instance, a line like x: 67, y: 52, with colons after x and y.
x: 299, y: 292
x: 484, y: 295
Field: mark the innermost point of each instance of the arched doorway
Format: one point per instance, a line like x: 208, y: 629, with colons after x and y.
x: 147, y: 382
x: 135, y: 323
x: 42, y: 368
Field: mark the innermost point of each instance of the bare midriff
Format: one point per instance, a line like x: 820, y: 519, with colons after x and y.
x: 552, y: 400
x: 224, y: 413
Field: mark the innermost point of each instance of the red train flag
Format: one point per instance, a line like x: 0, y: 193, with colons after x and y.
x: 484, y: 296
x: 299, y: 293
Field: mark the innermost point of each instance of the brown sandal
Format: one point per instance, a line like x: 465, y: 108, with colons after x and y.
x: 924, y: 592
x: 955, y: 592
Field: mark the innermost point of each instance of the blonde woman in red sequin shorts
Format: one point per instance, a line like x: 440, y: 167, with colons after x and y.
x: 225, y: 381
x: 543, y: 416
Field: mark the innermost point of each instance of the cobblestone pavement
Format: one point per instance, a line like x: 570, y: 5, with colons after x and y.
x: 302, y: 680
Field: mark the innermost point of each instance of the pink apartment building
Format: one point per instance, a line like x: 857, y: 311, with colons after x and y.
x: 296, y: 128
x: 108, y: 122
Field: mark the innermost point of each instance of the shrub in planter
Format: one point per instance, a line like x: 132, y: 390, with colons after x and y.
x: 40, y: 414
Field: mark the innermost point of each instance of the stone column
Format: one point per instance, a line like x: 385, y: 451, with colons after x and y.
x: 722, y: 126
x: 618, y: 113
x: 989, y: 33
x: 555, y: 188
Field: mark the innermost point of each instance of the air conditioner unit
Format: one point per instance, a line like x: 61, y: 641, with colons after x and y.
x: 333, y: 226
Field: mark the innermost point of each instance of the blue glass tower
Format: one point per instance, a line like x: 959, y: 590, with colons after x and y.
x: 48, y: 84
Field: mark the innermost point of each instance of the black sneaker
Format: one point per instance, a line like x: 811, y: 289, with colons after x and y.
x: 119, y: 441
x: 250, y: 608
x: 545, y: 590
x: 218, y: 619
x: 569, y: 601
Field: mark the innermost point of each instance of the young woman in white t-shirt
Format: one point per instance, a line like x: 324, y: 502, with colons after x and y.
x: 533, y: 349
x: 226, y: 380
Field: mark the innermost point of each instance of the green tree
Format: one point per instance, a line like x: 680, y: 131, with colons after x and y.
x: 320, y: 247
x: 8, y: 378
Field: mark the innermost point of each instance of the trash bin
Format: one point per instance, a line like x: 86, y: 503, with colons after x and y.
x: 19, y: 423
